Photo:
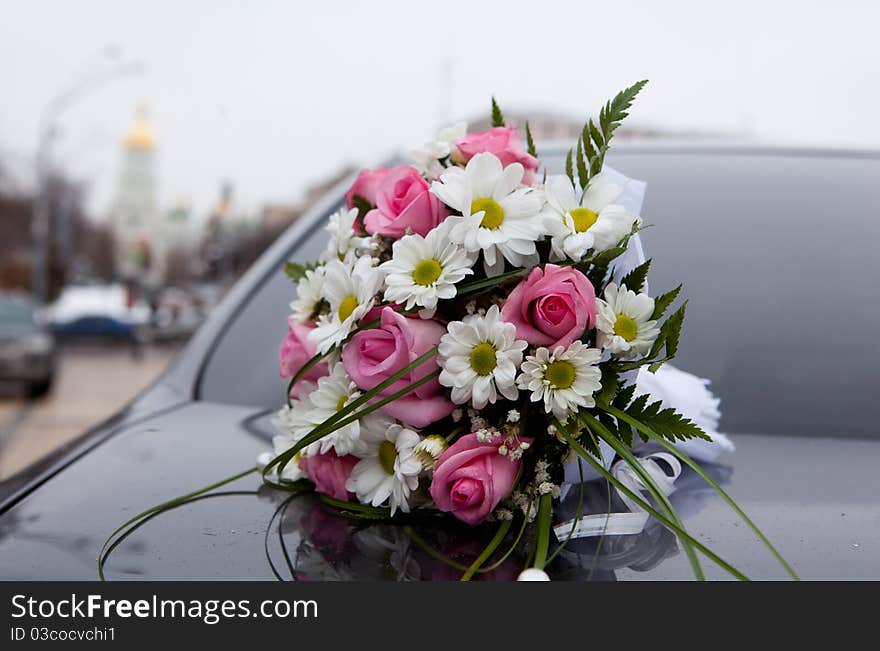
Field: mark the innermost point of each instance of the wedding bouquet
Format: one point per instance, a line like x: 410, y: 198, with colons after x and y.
x: 468, y: 347
x: 470, y: 332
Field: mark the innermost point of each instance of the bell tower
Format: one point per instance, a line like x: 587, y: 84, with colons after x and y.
x: 134, y: 215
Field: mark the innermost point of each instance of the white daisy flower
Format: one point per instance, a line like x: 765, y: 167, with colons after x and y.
x: 308, y: 295
x: 623, y: 322
x: 595, y: 222
x: 345, y: 245
x: 423, y: 270
x: 388, y: 469
x: 498, y: 216
x: 334, y: 391
x: 479, y: 357
x: 565, y: 380
x: 292, y: 425
x: 427, y: 159
x: 350, y: 293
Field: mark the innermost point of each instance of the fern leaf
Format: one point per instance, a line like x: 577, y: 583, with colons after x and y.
x: 670, y: 332
x: 530, y: 143
x: 589, y: 151
x: 583, y: 176
x: 666, y: 422
x: 601, y: 146
x: 497, y: 115
x: 569, y: 171
x: 610, y: 117
x: 635, y: 279
x: 662, y: 302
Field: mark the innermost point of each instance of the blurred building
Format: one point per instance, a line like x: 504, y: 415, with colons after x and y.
x: 138, y: 226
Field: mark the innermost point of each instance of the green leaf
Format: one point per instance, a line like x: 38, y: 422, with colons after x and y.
x: 662, y: 302
x: 296, y: 271
x: 583, y: 176
x: 635, y: 279
x: 497, y: 539
x: 624, y: 396
x: 569, y: 171
x: 665, y: 422
x: 497, y: 116
x: 544, y: 523
x: 601, y: 146
x: 357, y: 511
x: 493, y: 281
x: 613, y: 113
x: 610, y: 383
x: 589, y: 150
x: 530, y: 143
x: 670, y: 332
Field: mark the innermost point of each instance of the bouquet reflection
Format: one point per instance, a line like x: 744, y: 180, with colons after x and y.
x: 309, y: 541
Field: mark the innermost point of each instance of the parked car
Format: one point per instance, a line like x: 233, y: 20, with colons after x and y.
x: 776, y: 248
x: 27, y: 348
x: 100, y: 312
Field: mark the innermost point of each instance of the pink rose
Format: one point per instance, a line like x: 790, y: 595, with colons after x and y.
x: 295, y: 351
x: 374, y: 355
x: 329, y: 473
x: 504, y: 142
x: 404, y: 201
x: 365, y: 186
x: 552, y: 307
x: 470, y: 478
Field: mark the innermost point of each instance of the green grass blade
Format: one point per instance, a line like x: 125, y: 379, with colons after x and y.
x: 497, y: 539
x: 650, y: 484
x: 332, y: 423
x: 543, y: 522
x: 702, y: 473
x: 669, y: 524
x: 162, y: 507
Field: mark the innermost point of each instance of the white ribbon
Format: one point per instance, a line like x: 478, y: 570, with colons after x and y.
x: 624, y: 524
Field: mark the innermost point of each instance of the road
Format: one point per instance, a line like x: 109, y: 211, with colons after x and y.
x: 93, y: 382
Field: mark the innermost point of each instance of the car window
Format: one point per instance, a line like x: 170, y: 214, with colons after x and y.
x: 243, y: 369
x: 15, y: 312
x: 776, y: 253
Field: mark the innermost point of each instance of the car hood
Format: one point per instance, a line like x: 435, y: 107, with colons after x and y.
x: 814, y: 498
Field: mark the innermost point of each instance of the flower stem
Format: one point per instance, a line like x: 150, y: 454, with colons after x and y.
x: 543, y: 522
x: 490, y: 549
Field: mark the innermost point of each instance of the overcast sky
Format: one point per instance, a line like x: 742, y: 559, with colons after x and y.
x: 275, y: 95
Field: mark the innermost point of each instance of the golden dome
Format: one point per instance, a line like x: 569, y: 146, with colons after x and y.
x: 140, y: 136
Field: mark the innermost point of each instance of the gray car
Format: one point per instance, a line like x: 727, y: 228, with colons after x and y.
x: 778, y: 252
x: 27, y: 348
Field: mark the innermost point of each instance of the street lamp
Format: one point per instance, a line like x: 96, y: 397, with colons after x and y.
x: 41, y: 205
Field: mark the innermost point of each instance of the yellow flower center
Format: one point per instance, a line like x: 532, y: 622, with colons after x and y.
x: 625, y: 327
x: 560, y: 374
x: 583, y: 218
x: 493, y: 213
x: 347, y: 306
x: 427, y: 272
x: 483, y: 358
x: 341, y: 402
x: 387, y: 456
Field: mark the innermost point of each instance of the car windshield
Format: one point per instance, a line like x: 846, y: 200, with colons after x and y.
x: 15, y: 312
x: 776, y: 254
